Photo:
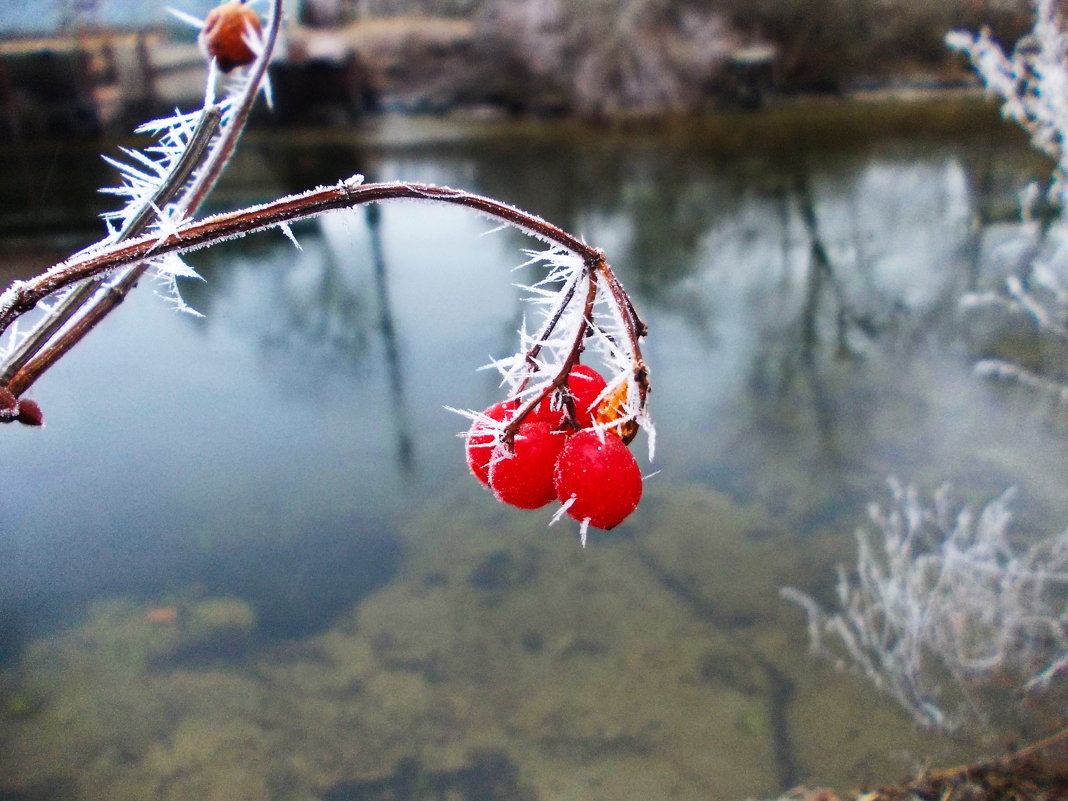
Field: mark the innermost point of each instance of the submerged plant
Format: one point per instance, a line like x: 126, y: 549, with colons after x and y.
x: 581, y: 304
x: 942, y: 600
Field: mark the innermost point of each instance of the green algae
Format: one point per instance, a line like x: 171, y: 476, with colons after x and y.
x: 653, y: 663
x: 20, y: 704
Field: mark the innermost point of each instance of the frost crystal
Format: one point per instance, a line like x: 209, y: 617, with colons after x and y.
x: 161, y: 185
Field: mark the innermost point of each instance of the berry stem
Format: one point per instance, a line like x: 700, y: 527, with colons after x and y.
x: 590, y: 273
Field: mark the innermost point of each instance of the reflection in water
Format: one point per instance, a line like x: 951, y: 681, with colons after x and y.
x: 347, y: 627
x: 373, y: 215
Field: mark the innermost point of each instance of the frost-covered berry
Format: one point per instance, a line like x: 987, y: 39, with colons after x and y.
x: 481, y: 439
x: 584, y: 384
x: 524, y: 478
x: 600, y: 478
x: 223, y: 36
x: 611, y: 411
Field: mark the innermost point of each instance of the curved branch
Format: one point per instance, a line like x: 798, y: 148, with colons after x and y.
x: 22, y: 296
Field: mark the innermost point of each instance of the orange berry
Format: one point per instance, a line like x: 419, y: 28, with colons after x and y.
x: 611, y: 409
x: 224, y: 32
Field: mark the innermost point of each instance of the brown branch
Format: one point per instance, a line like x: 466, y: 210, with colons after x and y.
x: 1022, y: 754
x: 634, y: 325
x: 560, y: 379
x: 32, y: 359
x: 138, y: 224
x: 23, y: 296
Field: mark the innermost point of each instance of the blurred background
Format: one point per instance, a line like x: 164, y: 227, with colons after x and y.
x: 75, y: 66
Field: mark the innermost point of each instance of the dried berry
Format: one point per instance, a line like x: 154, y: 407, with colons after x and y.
x: 611, y: 409
x: 225, y: 31
x: 9, y: 405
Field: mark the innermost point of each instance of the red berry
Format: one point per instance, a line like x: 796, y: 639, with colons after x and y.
x: 544, y: 413
x: 30, y: 413
x: 602, y: 477
x: 584, y: 384
x: 525, y: 478
x: 481, y: 440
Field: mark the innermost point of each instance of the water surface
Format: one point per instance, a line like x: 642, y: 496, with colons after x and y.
x: 244, y: 559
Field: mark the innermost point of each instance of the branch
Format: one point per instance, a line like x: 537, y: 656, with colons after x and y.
x: 31, y: 359
x: 22, y: 296
x: 179, y: 175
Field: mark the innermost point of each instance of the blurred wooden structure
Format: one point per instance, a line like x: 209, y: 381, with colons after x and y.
x: 76, y: 84
x: 109, y: 79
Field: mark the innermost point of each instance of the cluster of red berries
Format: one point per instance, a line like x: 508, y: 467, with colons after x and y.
x: 562, y: 451
x: 23, y: 410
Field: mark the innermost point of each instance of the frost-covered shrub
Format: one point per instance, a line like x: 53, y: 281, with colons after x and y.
x: 1032, y: 83
x: 942, y: 600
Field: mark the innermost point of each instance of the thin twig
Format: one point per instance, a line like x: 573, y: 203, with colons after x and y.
x: 560, y: 379
x: 1015, y: 757
x: 206, y: 129
x: 22, y: 296
x: 220, y: 156
x: 33, y: 359
x: 634, y: 325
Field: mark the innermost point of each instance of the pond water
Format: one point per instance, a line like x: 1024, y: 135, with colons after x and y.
x: 244, y: 559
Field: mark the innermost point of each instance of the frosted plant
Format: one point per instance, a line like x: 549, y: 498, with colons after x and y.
x: 1038, y: 308
x: 616, y: 56
x: 1032, y: 82
x: 580, y: 302
x: 573, y: 311
x: 941, y: 601
x: 163, y: 186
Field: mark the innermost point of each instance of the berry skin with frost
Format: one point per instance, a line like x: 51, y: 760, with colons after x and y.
x: 584, y: 384
x: 609, y: 412
x: 524, y: 478
x: 224, y: 32
x: 481, y: 440
x: 600, y: 477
